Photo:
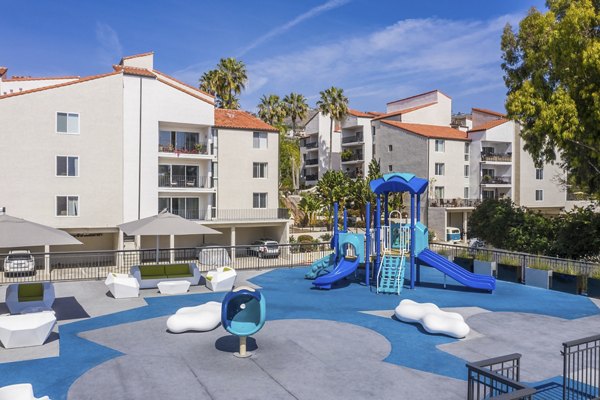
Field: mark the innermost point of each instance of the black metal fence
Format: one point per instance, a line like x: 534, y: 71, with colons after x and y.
x: 515, y: 258
x: 93, y: 265
x: 497, y: 378
x: 581, y: 368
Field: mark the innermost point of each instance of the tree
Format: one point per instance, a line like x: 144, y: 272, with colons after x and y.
x: 226, y: 82
x: 495, y: 221
x: 333, y: 104
x: 333, y: 187
x: 271, y: 110
x: 289, y: 163
x: 552, y: 72
x: 295, y: 107
x: 310, y: 206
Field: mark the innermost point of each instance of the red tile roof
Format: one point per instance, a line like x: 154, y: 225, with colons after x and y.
x: 238, y: 119
x: 375, y: 113
x: 44, y: 78
x: 490, y: 112
x: 405, y: 111
x: 87, y: 78
x: 430, y: 131
x: 3, y: 71
x: 488, y: 125
x: 419, y: 95
x: 134, y: 71
x: 183, y: 83
x: 357, y: 113
x: 137, y: 55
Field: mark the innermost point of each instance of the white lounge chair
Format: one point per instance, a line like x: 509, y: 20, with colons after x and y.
x: 202, y: 318
x: 26, y: 330
x: 221, y: 280
x: 29, y: 297
x: 122, y: 285
x: 21, y: 391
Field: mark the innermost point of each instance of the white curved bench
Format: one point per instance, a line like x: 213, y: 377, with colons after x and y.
x: 432, y: 318
x: 202, y: 318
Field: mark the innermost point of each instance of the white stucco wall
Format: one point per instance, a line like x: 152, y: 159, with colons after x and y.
x: 453, y: 179
x: 11, y: 86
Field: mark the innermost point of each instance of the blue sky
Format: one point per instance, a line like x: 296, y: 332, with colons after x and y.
x: 377, y: 51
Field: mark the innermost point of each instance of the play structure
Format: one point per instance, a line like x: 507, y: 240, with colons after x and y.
x: 243, y: 314
x: 396, y: 244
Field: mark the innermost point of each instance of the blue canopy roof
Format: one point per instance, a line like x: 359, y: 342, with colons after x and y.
x: 399, y: 182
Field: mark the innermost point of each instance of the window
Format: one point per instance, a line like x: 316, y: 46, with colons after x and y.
x: 487, y: 150
x: 67, y: 206
x: 259, y: 140
x: 466, y: 193
x: 179, y: 176
x: 466, y: 171
x: 259, y: 170
x: 259, y: 200
x: 439, y: 192
x: 439, y: 168
x: 186, y: 207
x: 440, y: 145
x: 539, y: 174
x: 181, y: 142
x: 467, y: 150
x: 390, y: 148
x: 67, y: 166
x: 539, y: 195
x: 390, y: 169
x: 489, y: 194
x: 67, y: 123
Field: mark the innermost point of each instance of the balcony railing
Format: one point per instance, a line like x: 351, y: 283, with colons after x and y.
x: 198, y: 148
x: 504, y: 157
x: 250, y: 214
x: 311, y: 145
x: 352, y: 139
x: 191, y: 214
x: 497, y: 378
x: 311, y: 161
x: 454, y: 202
x: 495, y: 180
x: 353, y: 157
x: 182, y: 181
x: 311, y: 177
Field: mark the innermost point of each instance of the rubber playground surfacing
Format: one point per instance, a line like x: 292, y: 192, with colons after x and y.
x: 341, y: 343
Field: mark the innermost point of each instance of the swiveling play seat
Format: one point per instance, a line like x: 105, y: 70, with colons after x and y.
x: 202, y: 318
x: 21, y: 391
x: 243, y: 314
x: 221, y: 280
x: 432, y: 318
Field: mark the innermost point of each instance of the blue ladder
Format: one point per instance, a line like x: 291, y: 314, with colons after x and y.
x: 391, y: 274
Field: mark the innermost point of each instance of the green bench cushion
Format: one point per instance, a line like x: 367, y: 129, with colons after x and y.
x: 152, y: 271
x: 31, y: 292
x: 177, y: 269
x: 188, y: 275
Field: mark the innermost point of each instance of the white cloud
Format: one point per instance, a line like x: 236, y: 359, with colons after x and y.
x: 110, y: 50
x: 312, y: 13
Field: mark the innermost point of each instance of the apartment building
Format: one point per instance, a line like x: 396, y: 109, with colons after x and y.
x: 86, y: 154
x: 356, y: 143
x: 314, y: 149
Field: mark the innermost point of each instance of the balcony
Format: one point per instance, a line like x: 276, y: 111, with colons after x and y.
x: 352, y: 139
x: 495, y: 180
x: 355, y: 157
x: 454, y: 202
x: 195, y: 149
x: 251, y: 214
x: 496, y: 157
x: 311, y: 161
x: 311, y: 145
x: 183, y: 181
x: 314, y: 177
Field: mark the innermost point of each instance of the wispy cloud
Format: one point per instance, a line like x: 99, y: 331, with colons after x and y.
x: 408, y: 56
x: 312, y: 13
x: 110, y: 49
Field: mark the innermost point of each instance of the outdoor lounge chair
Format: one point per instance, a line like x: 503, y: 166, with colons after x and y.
x: 221, y: 280
x: 21, y: 391
x: 29, y: 296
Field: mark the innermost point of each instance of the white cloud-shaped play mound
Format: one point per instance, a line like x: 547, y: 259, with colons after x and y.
x: 432, y: 318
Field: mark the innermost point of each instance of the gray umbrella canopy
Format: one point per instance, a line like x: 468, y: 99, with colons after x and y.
x: 165, y: 223
x: 17, y: 232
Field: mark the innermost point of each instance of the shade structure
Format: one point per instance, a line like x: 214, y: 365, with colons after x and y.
x: 18, y: 232
x: 165, y: 223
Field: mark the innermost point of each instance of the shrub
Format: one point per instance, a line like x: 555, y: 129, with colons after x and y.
x: 464, y: 254
x: 484, y: 256
x: 506, y: 260
x: 326, y: 237
x: 305, y: 239
x: 539, y: 264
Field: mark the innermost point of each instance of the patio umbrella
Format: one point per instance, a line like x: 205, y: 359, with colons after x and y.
x: 17, y: 232
x: 165, y: 223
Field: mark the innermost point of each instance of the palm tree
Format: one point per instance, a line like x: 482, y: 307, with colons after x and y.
x: 225, y: 82
x: 333, y: 104
x: 271, y: 110
x: 295, y: 107
x: 310, y: 206
x: 233, y: 81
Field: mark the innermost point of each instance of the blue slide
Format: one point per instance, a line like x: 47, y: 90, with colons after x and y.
x: 341, y: 270
x: 456, y: 272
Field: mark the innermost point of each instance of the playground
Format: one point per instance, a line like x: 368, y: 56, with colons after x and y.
x: 332, y: 330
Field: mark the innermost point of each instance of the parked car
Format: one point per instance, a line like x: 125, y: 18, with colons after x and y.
x: 265, y: 248
x: 19, y: 261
